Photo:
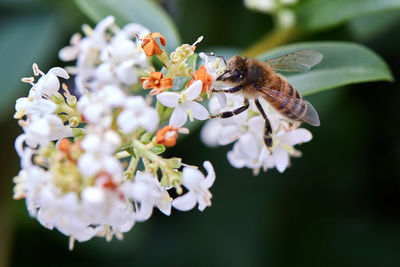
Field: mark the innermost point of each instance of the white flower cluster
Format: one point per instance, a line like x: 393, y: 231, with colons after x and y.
x: 42, y: 124
x: 106, y: 55
x: 80, y: 156
x: 247, y: 131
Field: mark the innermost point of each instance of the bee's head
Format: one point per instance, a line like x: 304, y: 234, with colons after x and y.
x: 235, y: 70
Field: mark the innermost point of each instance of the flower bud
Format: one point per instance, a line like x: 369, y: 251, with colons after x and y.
x: 73, y: 122
x: 175, y: 163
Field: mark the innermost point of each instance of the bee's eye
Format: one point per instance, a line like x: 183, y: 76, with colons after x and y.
x: 236, y: 75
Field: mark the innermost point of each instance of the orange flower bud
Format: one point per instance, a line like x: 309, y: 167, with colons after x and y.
x: 157, y: 82
x: 150, y: 45
x: 64, y: 145
x: 202, y: 75
x: 167, y: 136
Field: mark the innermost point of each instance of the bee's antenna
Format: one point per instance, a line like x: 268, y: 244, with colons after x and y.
x: 214, y: 55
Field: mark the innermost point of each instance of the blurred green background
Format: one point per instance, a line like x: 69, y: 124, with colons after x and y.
x: 338, y: 205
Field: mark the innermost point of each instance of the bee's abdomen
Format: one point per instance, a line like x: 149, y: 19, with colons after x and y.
x: 288, y: 104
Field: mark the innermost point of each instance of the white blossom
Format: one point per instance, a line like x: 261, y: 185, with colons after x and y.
x: 184, y: 104
x: 147, y: 190
x: 99, y: 147
x: 137, y: 113
x: 247, y: 130
x: 283, y: 147
x: 224, y: 131
x: 107, y: 55
x: 197, y: 186
x: 97, y: 108
x: 215, y: 67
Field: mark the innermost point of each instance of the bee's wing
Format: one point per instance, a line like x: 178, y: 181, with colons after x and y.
x: 311, y: 116
x: 298, y: 61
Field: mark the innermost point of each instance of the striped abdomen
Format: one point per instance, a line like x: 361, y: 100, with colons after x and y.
x: 285, y: 99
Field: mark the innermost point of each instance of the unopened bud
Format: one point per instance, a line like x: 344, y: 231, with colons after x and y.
x: 146, y: 138
x: 73, y: 122
x: 72, y: 100
x: 175, y: 163
x: 57, y: 98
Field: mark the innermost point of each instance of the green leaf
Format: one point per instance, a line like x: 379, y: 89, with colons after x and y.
x: 319, y: 14
x: 145, y: 12
x: 27, y: 39
x: 343, y: 63
x: 367, y: 27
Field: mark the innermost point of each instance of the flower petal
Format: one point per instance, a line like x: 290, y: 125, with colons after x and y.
x: 209, y: 180
x: 297, y: 136
x: 228, y: 134
x: 221, y: 99
x: 168, y: 99
x: 199, y: 112
x: 235, y: 158
x: 191, y: 177
x: 281, y: 159
x: 248, y: 146
x: 178, y: 117
x: 60, y: 72
x: 185, y: 202
x: 210, y: 132
x: 194, y: 90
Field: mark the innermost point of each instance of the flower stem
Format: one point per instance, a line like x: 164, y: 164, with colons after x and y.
x: 145, y: 151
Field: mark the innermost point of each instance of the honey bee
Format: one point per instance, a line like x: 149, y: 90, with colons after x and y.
x: 255, y: 79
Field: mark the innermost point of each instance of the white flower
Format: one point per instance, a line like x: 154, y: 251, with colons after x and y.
x: 99, y: 148
x: 107, y: 55
x: 41, y: 131
x: 283, y: 147
x: 215, y: 67
x: 49, y: 83
x: 198, y: 186
x: 147, y: 190
x: 35, y: 107
x: 184, y: 104
x: 213, y: 64
x: 97, y: 108
x: 107, y: 207
x: 246, y: 151
x: 225, y: 131
x: 137, y: 113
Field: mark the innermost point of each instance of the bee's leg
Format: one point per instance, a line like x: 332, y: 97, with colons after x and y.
x: 268, y: 128
x: 234, y: 112
x: 230, y: 90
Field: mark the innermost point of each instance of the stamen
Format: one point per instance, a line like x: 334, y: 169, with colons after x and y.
x: 188, y: 165
x: 138, y: 37
x: 28, y: 80
x: 71, y: 242
x: 87, y: 30
x: 197, y: 41
x: 183, y: 130
x: 36, y: 69
x: 75, y: 39
x: 190, y: 113
x: 65, y: 88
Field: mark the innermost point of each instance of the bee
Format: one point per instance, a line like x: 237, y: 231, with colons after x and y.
x: 255, y: 79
